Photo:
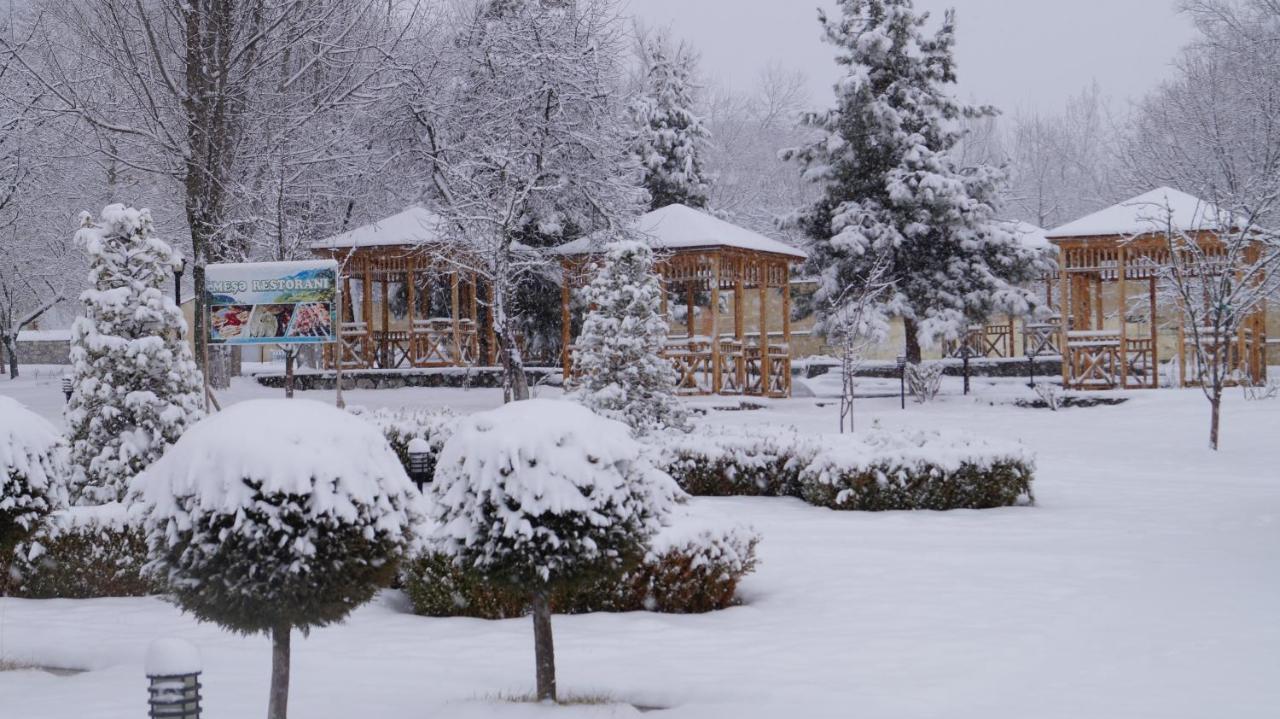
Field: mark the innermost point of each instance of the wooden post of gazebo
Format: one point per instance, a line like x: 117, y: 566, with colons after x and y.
x: 764, y: 328
x: 715, y: 324
x: 739, y: 324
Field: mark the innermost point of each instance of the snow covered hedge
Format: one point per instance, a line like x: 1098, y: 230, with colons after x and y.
x: 925, y: 470
x: 740, y: 461
x: 692, y: 566
x: 868, y: 471
x: 33, y: 463
x: 82, y: 553
x: 400, y: 426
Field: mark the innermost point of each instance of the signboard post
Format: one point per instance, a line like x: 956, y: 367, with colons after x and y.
x: 274, y: 303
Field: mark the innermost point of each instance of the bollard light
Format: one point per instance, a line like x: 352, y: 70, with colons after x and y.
x: 419, y: 461
x: 902, y: 379
x: 66, y: 388
x: 173, y: 668
x: 1031, y: 369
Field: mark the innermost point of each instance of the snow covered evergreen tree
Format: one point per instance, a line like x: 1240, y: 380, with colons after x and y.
x: 892, y: 188
x: 32, y: 465
x: 670, y: 137
x: 135, y: 387
x: 622, y: 374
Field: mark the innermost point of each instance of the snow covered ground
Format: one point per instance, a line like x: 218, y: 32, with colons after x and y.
x: 1143, y: 584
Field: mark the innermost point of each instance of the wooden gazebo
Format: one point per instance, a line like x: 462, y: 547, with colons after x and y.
x: 703, y: 260
x: 1103, y: 257
x: 408, y: 299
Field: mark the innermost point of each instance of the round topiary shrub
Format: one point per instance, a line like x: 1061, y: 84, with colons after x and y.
x: 33, y: 465
x: 273, y: 515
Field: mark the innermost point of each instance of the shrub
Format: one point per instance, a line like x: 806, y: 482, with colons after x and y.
x: 400, y: 426
x: 82, y: 553
x: 924, y: 380
x: 918, y: 471
x: 33, y: 465
x: 738, y: 462
x: 692, y: 567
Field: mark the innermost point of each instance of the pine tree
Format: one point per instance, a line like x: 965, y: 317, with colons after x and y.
x: 670, y: 137
x: 135, y: 387
x: 622, y: 373
x: 893, y: 192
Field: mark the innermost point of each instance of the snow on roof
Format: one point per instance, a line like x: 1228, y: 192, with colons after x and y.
x: 1143, y: 214
x: 414, y: 226
x: 677, y: 227
x: 290, y: 446
x: 44, y: 335
x: 1031, y: 235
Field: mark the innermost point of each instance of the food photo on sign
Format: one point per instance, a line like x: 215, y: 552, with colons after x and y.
x: 272, y: 302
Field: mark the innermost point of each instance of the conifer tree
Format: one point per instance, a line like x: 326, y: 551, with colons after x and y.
x: 622, y: 373
x: 670, y: 137
x: 893, y: 191
x: 135, y: 385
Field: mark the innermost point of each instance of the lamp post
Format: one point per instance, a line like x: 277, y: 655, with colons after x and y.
x: 419, y: 461
x: 1031, y: 367
x: 177, y: 281
x: 902, y: 379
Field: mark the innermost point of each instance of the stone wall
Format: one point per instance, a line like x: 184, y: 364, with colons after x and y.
x: 40, y: 352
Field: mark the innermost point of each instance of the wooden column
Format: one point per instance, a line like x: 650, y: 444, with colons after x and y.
x: 473, y: 299
x: 1064, y: 317
x: 739, y: 323
x: 1155, y: 334
x: 715, y: 324
x: 1100, y: 318
x: 1123, y: 289
x: 411, y: 280
x: 1182, y: 345
x: 763, y: 275
x: 455, y: 311
x: 786, y: 322
x: 690, y: 289
x: 565, y: 319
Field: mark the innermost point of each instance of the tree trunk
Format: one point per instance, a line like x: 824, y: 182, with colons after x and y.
x: 965, y: 350
x: 219, y: 369
x: 278, y: 706
x: 912, y: 331
x: 288, y: 373
x: 515, y: 385
x: 543, y: 647
x: 11, y: 349
x: 1215, y: 404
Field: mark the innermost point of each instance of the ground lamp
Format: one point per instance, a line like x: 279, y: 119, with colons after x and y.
x: 902, y: 379
x: 178, y: 269
x: 66, y: 388
x: 419, y: 461
x: 1031, y: 367
x: 173, y: 668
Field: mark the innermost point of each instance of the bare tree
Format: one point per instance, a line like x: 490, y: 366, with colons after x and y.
x: 856, y: 321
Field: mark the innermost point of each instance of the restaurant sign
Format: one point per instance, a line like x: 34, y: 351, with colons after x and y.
x: 272, y: 302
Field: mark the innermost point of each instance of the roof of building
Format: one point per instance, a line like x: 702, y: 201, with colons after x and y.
x: 678, y: 227
x: 1146, y: 213
x: 414, y: 226
x: 1031, y: 235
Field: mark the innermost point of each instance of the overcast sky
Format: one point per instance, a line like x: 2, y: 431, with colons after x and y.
x: 1015, y: 54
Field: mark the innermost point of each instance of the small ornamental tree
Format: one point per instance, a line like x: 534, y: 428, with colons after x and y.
x: 670, y: 138
x: 622, y: 374
x: 136, y: 387
x: 274, y: 515
x: 542, y: 495
x: 32, y: 463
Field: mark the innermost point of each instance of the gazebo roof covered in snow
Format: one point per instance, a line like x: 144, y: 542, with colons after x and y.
x: 678, y: 227
x: 1145, y: 214
x: 1031, y: 235
x: 414, y: 226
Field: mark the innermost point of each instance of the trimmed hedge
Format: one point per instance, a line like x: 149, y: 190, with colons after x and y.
x: 919, y: 471
x: 867, y: 471
x: 400, y: 426
x: 81, y: 553
x: 742, y: 462
x: 690, y: 568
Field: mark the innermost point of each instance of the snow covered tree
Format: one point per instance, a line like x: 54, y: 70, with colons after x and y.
x: 670, y: 138
x: 522, y: 147
x: 621, y: 372
x: 32, y: 468
x: 135, y: 387
x: 892, y: 188
x: 273, y: 515
x: 542, y: 494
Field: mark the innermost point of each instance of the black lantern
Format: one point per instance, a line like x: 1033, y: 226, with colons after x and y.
x: 419, y: 461
x: 178, y: 269
x: 173, y: 668
x: 902, y: 379
x: 1031, y: 367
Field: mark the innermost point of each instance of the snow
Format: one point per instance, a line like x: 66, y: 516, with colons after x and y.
x: 1142, y: 583
x: 414, y: 226
x: 1031, y: 235
x: 172, y: 657
x: 28, y: 446
x: 296, y: 447
x: 1143, y: 214
x: 677, y: 227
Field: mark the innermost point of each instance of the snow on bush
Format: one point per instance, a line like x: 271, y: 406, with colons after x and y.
x: 742, y: 461
x: 924, y: 380
x: 541, y: 491
x: 618, y: 355
x: 924, y: 470
x: 83, y: 553
x: 401, y: 426
x: 32, y: 469
x: 694, y: 565
x: 135, y: 386
x: 276, y: 513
